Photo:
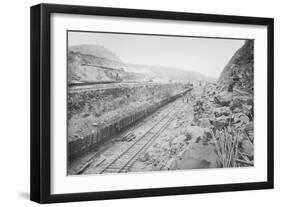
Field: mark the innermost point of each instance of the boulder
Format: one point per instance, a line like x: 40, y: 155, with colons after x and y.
x: 144, y: 157
x: 236, y: 103
x: 220, y: 122
x: 247, y: 147
x: 250, y: 101
x: 221, y: 111
x: 249, y: 111
x: 249, y: 127
x: 244, y: 119
x: 211, y: 92
x: 241, y: 117
x: 236, y: 110
x: 224, y: 98
x: 197, y: 156
x: 171, y: 164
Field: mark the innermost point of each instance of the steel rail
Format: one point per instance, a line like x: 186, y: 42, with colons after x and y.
x: 145, y: 144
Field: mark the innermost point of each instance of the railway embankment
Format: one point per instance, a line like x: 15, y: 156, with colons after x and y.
x: 96, y: 116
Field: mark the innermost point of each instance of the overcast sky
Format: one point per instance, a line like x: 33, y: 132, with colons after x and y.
x: 207, y: 56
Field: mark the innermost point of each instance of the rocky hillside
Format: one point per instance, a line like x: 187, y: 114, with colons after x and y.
x: 240, y: 69
x: 96, y: 51
x: 92, y: 63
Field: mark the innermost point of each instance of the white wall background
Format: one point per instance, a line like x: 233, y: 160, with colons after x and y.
x: 14, y: 102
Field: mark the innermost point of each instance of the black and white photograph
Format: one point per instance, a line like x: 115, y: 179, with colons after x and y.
x: 133, y: 102
x: 153, y: 102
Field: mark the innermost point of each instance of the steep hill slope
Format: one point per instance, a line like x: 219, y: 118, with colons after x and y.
x: 240, y: 68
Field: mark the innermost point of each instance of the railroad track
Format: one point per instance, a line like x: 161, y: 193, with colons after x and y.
x: 124, y: 161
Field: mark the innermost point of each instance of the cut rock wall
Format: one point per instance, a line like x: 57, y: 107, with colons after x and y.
x: 78, y: 146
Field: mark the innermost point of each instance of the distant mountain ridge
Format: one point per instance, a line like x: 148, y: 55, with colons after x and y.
x: 168, y: 72
x: 96, y: 63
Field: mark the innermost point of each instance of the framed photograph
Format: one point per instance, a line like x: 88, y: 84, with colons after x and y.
x: 132, y: 103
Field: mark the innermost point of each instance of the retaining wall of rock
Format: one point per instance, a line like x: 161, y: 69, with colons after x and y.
x: 79, y: 146
x: 102, y: 101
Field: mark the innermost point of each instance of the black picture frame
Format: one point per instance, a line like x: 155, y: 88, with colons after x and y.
x: 40, y: 184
